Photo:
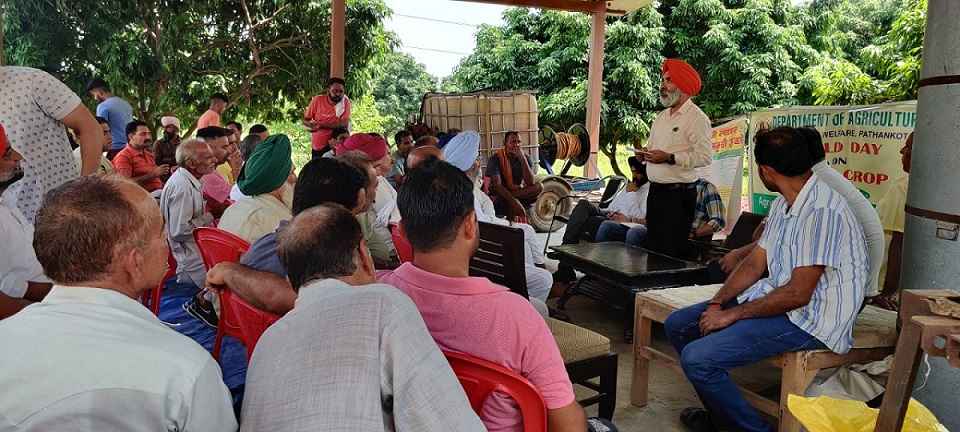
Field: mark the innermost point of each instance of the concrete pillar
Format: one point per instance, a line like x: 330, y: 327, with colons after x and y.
x: 338, y: 18
x: 595, y: 88
x: 931, y: 257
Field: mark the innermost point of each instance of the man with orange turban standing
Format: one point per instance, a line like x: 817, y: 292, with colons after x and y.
x: 679, y: 143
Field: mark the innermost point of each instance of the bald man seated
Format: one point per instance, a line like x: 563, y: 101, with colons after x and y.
x: 90, y: 356
x: 351, y: 353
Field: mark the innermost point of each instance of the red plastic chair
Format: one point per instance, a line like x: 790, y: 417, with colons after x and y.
x: 237, y: 317
x: 151, y: 298
x: 242, y: 321
x: 480, y: 378
x: 400, y: 243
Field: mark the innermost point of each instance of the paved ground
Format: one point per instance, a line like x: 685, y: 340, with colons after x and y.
x: 669, y: 393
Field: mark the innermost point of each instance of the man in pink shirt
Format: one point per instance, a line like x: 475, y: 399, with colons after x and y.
x: 218, y: 104
x: 326, y: 113
x: 473, y: 315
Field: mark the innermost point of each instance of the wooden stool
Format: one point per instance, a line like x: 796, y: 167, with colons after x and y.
x: 921, y: 332
x: 874, y: 338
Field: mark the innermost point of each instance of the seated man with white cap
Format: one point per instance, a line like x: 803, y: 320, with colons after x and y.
x: 165, y: 148
x: 462, y: 152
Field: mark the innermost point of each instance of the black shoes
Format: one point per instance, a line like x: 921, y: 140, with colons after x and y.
x: 698, y: 420
x: 202, y: 311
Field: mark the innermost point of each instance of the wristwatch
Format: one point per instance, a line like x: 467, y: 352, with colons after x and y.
x: 672, y: 160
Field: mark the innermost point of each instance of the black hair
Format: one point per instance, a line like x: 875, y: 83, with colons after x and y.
x: 97, y: 83
x: 257, y: 128
x: 219, y: 96
x: 213, y: 132
x: 814, y: 143
x: 400, y: 135
x: 507, y: 135
x: 320, y: 243
x: 785, y: 150
x: 235, y: 123
x: 336, y: 80
x: 132, y: 126
x: 248, y: 144
x: 328, y: 180
x: 102, y: 120
x: 339, y: 130
x: 434, y: 201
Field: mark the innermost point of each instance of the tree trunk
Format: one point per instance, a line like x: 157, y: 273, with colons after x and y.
x: 610, y: 150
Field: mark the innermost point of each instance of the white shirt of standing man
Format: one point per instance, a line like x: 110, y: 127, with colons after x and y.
x: 680, y: 136
x: 34, y: 108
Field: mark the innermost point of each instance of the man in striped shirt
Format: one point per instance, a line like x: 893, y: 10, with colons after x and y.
x: 815, y: 252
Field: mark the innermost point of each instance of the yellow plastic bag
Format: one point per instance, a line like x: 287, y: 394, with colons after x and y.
x: 826, y: 414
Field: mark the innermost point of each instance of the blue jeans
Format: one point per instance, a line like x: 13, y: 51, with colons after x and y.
x: 706, y: 360
x: 615, y: 231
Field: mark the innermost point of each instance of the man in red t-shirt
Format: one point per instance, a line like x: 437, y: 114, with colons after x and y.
x: 326, y: 113
x: 137, y: 162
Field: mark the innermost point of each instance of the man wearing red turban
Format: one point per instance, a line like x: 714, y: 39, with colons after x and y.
x: 384, y: 210
x: 679, y: 144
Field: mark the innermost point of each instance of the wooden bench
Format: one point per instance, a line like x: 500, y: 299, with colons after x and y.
x: 874, y: 334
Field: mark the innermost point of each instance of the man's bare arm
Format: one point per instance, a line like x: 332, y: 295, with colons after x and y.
x: 795, y: 294
x: 89, y: 134
x: 263, y: 290
x: 745, y: 275
x: 159, y: 171
x: 570, y: 418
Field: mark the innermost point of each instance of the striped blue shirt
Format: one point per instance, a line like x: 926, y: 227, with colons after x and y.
x: 818, y: 230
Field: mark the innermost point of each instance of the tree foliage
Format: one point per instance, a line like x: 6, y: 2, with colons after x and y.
x: 751, y: 54
x: 398, y: 87
x: 169, y: 56
x: 881, y: 57
x: 546, y: 51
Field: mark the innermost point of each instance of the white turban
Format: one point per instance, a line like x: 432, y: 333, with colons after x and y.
x: 170, y: 120
x: 462, y: 150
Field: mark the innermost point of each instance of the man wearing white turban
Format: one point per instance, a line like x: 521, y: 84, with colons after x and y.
x: 462, y: 152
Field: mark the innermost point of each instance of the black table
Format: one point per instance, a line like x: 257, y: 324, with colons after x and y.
x: 615, y: 273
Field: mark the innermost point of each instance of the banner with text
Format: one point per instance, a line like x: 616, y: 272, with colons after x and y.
x: 726, y: 171
x: 861, y: 142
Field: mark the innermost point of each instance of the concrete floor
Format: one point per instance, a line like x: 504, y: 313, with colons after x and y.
x: 669, y: 392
